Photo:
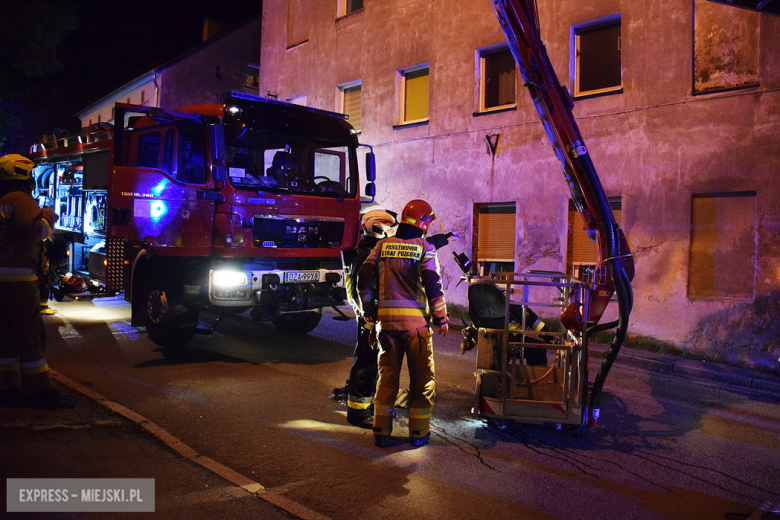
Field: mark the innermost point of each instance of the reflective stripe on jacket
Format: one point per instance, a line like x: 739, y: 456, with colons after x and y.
x: 21, y: 231
x: 409, y: 285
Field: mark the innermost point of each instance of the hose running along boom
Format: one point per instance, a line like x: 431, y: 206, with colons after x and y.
x: 615, y: 267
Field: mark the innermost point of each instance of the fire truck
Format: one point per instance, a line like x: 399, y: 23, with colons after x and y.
x: 228, y: 207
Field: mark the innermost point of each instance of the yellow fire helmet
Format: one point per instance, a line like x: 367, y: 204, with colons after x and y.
x: 14, y: 167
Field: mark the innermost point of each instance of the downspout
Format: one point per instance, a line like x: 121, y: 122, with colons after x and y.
x: 156, y: 88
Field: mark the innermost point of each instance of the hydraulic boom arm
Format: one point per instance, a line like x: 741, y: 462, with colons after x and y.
x: 615, y: 268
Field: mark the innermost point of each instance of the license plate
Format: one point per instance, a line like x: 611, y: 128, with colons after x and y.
x: 302, y: 276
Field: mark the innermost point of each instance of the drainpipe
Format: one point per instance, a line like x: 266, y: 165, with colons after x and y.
x: 156, y: 88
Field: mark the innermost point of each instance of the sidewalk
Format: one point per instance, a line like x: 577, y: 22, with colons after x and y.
x: 725, y: 374
x: 100, y: 439
x: 643, y: 359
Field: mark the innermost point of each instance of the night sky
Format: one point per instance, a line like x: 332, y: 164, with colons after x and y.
x: 117, y: 40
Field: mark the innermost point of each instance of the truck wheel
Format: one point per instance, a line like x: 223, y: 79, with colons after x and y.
x: 297, y: 322
x: 167, y: 326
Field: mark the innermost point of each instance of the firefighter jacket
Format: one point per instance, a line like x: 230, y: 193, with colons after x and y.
x: 410, y: 294
x: 362, y: 251
x: 21, y: 231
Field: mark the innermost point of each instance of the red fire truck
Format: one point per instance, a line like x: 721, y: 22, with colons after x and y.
x: 234, y: 206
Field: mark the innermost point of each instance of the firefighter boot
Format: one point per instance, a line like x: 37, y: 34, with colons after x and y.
x: 51, y: 399
x: 382, y: 435
x: 361, y: 418
x: 12, y: 398
x: 418, y: 442
x: 382, y: 441
x: 366, y: 422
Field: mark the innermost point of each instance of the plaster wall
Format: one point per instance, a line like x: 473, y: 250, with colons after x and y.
x: 195, y: 79
x: 192, y: 78
x: 104, y: 110
x: 655, y: 144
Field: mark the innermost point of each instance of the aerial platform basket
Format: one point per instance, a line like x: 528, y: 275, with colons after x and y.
x: 506, y: 389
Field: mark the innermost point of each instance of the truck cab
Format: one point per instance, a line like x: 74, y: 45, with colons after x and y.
x: 234, y: 206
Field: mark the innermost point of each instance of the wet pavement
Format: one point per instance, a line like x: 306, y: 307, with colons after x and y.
x: 102, y: 439
x: 92, y: 441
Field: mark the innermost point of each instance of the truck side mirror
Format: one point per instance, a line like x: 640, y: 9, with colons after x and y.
x: 370, y: 167
x: 217, y: 141
x: 371, y: 190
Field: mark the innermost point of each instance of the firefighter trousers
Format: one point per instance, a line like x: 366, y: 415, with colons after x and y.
x: 362, y: 376
x: 22, y: 363
x: 417, y: 346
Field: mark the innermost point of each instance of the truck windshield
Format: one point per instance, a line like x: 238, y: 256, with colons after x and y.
x: 256, y: 160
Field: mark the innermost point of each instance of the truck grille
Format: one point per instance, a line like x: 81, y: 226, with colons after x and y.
x: 298, y: 233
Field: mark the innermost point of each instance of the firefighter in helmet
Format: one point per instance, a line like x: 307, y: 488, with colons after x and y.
x: 408, y: 298
x: 24, y: 372
x: 376, y: 224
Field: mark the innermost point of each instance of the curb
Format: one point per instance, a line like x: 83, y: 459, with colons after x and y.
x: 725, y: 374
x: 290, y: 506
x: 642, y: 359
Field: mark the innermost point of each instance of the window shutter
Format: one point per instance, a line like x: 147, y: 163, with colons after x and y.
x: 416, y: 105
x: 352, y: 106
x: 496, y: 234
x: 583, y: 250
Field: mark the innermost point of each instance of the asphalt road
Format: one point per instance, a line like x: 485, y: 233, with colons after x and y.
x: 258, y: 402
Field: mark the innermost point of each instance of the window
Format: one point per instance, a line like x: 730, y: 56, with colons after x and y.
x: 414, y: 94
x: 582, y: 252
x: 143, y: 97
x: 497, y: 79
x: 331, y: 163
x: 149, y: 150
x: 298, y: 21
x: 351, y: 103
x: 252, y: 75
x: 494, y: 227
x: 346, y: 7
x: 723, y: 245
x: 725, y: 47
x: 192, y: 155
x: 597, y: 56
x: 168, y: 155
x: 148, y: 153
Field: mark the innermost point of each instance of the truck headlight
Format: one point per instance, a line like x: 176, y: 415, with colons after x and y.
x: 229, y: 278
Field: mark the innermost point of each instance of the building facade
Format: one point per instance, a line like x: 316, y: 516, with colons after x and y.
x: 222, y: 63
x: 678, y: 102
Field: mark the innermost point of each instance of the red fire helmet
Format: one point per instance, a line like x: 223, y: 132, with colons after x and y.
x: 419, y: 214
